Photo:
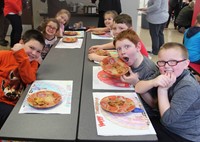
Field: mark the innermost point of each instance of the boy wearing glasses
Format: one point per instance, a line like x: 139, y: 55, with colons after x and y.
x: 178, y: 94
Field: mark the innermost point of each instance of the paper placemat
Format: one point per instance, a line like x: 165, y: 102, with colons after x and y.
x: 106, y: 36
x: 99, y: 82
x: 77, y: 44
x: 79, y: 35
x: 131, y: 123
x: 64, y: 88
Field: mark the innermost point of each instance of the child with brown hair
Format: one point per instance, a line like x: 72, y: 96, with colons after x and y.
x: 17, y: 69
x: 178, y: 94
x: 49, y: 28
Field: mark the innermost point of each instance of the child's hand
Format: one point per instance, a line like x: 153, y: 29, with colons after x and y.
x: 132, y: 78
x: 17, y: 47
x: 164, y: 81
x: 92, y: 49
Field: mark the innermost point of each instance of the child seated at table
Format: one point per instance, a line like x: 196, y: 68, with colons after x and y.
x: 17, y: 69
x: 121, y: 22
x: 49, y: 28
x: 128, y: 46
x: 108, y: 21
x: 178, y: 94
x: 63, y: 16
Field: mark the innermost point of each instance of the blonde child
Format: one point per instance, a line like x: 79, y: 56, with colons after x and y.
x: 178, y: 94
x: 17, y: 69
x: 63, y: 16
x: 49, y: 29
x: 108, y: 21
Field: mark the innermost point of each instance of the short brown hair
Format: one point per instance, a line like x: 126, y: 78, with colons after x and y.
x: 177, y: 46
x: 123, y: 19
x: 127, y: 34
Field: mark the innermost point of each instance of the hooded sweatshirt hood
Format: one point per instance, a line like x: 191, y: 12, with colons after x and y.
x: 192, y: 31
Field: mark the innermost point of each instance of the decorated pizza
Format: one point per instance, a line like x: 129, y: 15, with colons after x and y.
x: 69, y: 39
x: 70, y: 33
x: 114, y: 66
x: 117, y: 104
x: 44, y: 99
x: 99, y: 33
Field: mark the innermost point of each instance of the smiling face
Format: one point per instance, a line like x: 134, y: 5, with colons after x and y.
x: 108, y: 20
x: 172, y: 54
x: 51, y: 28
x: 118, y: 28
x: 127, y: 51
x: 62, y: 18
x: 33, y: 49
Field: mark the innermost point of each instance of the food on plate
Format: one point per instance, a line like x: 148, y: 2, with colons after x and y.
x: 117, y: 104
x: 70, y: 33
x: 102, y: 52
x: 114, y: 66
x: 44, y: 99
x: 99, y: 33
x: 69, y: 39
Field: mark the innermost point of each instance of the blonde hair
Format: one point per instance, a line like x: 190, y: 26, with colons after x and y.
x: 63, y: 11
x: 112, y: 12
x: 177, y: 46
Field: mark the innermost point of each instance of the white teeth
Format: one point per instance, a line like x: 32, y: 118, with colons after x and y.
x: 168, y: 70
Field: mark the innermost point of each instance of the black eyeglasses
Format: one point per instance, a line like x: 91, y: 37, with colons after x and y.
x: 170, y: 62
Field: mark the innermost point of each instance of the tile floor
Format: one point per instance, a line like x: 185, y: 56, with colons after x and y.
x: 171, y: 35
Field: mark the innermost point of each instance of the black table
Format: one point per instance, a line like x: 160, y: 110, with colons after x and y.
x: 60, y: 64
x: 87, y: 126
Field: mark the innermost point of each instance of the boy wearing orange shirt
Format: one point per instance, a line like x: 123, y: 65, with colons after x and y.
x: 18, y: 68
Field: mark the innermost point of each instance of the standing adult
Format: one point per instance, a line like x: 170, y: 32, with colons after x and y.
x: 157, y: 16
x: 13, y: 12
x: 105, y: 5
x: 3, y: 25
x: 174, y: 7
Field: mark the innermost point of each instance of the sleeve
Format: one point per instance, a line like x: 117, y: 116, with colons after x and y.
x: 154, y: 7
x: 143, y: 49
x: 27, y: 70
x: 181, y: 101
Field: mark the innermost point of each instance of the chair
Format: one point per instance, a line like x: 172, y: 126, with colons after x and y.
x: 195, y: 68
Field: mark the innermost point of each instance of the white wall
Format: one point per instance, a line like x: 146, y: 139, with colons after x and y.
x: 130, y: 7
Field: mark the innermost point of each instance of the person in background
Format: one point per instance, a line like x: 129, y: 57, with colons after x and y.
x: 49, y: 29
x: 13, y: 12
x: 108, y: 21
x: 184, y: 19
x: 105, y: 5
x: 121, y: 23
x: 3, y: 26
x: 63, y: 16
x: 17, y: 69
x: 178, y: 95
x: 191, y: 40
x: 157, y: 16
x: 174, y: 8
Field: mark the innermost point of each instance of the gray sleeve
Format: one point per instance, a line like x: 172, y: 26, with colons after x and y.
x: 154, y: 7
x: 184, y: 97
